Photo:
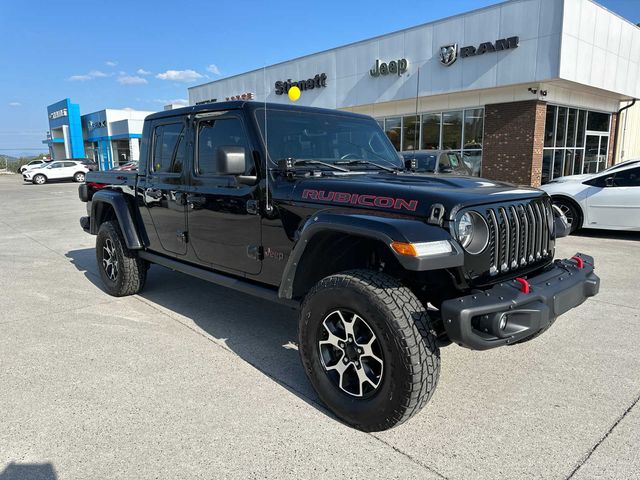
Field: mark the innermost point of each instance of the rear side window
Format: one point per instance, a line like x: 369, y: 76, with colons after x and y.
x: 168, y: 148
x: 627, y: 178
x: 69, y: 164
x: 216, y: 133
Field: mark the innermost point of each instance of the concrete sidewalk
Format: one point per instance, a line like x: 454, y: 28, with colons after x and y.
x: 191, y: 380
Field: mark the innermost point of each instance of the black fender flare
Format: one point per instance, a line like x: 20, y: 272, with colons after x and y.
x: 382, y: 227
x: 125, y: 219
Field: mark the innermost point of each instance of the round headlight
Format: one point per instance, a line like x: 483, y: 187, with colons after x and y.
x: 473, y: 232
x: 465, y: 230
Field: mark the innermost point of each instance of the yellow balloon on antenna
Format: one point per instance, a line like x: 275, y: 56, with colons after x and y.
x: 294, y: 93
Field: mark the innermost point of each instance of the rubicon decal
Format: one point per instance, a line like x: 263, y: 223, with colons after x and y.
x: 360, y: 199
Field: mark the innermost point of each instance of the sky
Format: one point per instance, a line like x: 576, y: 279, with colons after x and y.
x: 143, y: 54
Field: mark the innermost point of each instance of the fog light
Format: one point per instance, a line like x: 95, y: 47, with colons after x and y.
x: 503, y: 322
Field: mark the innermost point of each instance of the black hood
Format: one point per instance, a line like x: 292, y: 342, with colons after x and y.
x: 402, y: 193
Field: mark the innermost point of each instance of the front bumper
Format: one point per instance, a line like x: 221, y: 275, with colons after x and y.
x: 504, y: 314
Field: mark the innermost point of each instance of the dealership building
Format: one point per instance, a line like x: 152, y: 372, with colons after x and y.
x: 110, y: 137
x: 525, y: 90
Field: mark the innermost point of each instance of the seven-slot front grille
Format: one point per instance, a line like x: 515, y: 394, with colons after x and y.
x: 519, y: 234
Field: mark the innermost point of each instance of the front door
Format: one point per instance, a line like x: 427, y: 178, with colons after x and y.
x: 224, y: 225
x: 163, y: 187
x: 617, y: 203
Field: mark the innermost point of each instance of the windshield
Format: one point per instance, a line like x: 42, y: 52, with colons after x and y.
x: 326, y: 137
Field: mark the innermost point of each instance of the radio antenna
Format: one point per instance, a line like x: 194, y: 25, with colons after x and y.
x: 267, y: 205
x: 419, y: 126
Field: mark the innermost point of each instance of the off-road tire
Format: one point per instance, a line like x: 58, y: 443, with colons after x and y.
x: 131, y: 270
x: 79, y: 177
x: 39, y: 179
x: 407, y: 339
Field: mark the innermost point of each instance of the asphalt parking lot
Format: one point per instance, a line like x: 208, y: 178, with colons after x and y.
x: 190, y: 380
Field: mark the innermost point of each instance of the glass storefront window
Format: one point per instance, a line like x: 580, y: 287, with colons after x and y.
x: 473, y: 128
x: 430, y: 131
x: 571, y: 127
x: 561, y: 127
x: 393, y: 127
x: 575, y: 141
x: 459, y: 130
x: 550, y: 125
x: 598, y: 122
x: 452, y: 130
x: 582, y: 118
x: 547, y: 156
x: 411, y: 132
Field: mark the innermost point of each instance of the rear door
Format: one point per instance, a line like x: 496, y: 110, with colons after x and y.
x: 618, y: 204
x: 69, y: 169
x: 163, y: 186
x: 55, y: 170
x: 224, y: 225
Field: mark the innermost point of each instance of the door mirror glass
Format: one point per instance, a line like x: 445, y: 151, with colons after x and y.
x: 608, y: 182
x: 230, y: 160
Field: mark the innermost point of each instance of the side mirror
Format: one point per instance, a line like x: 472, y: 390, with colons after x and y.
x: 561, y: 226
x: 608, y: 182
x: 230, y: 160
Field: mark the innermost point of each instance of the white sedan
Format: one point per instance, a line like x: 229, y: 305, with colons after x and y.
x: 62, y: 170
x: 607, y: 200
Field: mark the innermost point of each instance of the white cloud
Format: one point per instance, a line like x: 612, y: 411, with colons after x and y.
x: 131, y: 80
x: 213, y: 68
x: 185, y: 76
x: 110, y: 63
x: 142, y: 71
x: 87, y: 76
x: 15, y: 104
x: 79, y: 78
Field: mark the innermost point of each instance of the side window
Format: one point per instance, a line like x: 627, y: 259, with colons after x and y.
x: 69, y: 164
x: 168, y: 148
x: 216, y: 133
x: 627, y: 178
x: 56, y: 165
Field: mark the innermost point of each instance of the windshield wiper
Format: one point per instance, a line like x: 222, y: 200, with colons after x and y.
x: 367, y: 162
x: 289, y: 163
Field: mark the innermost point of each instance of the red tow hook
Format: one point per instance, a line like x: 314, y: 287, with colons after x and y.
x: 579, y: 261
x: 524, y: 285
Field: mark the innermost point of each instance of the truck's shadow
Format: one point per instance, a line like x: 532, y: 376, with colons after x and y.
x: 262, y: 333
x: 607, y: 234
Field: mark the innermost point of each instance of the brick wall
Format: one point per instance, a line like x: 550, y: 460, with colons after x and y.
x: 513, y: 142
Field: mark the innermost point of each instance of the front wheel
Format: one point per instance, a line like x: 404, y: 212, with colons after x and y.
x: 570, y: 211
x: 39, y: 180
x: 368, y: 348
x: 79, y: 177
x: 122, y: 271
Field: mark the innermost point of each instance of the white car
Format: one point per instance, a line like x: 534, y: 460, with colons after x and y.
x: 607, y: 200
x: 62, y: 170
x: 33, y: 164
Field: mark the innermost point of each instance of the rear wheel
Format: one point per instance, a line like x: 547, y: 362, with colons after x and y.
x: 368, y: 348
x: 122, y: 271
x: 39, y: 179
x: 570, y: 211
x: 78, y: 177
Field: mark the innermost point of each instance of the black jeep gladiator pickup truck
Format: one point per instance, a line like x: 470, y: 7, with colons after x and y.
x: 314, y: 208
